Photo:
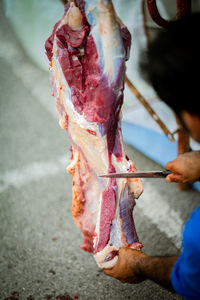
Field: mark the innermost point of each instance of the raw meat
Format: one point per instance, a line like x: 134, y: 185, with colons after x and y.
x: 87, y: 52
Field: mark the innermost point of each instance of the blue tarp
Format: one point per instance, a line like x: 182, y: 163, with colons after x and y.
x: 152, y: 144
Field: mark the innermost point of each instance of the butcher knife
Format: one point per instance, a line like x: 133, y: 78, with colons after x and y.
x: 143, y: 174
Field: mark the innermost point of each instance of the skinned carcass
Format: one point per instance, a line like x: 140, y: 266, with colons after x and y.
x: 87, y: 52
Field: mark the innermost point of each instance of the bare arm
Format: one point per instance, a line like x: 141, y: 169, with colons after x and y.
x: 185, y: 168
x: 159, y: 269
x: 134, y: 266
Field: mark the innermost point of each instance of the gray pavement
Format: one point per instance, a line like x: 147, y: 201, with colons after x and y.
x: 40, y: 256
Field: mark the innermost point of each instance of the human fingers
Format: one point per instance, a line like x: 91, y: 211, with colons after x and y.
x: 119, y: 265
x: 111, y: 271
x: 171, y: 165
x: 114, y: 272
x: 174, y: 178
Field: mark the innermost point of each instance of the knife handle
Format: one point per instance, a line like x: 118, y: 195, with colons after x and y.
x: 166, y: 172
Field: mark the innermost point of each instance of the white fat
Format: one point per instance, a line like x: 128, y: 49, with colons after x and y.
x: 81, y: 51
x: 74, y: 57
x: 101, y: 256
x: 97, y: 227
x: 74, y: 17
x: 135, y: 187
x: 73, y: 162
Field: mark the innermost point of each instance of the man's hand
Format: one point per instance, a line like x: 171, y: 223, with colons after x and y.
x: 185, y: 168
x: 127, y: 267
x: 134, y: 266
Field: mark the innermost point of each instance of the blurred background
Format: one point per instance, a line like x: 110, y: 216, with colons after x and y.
x: 40, y: 256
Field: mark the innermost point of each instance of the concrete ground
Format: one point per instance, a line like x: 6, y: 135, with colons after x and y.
x: 40, y: 256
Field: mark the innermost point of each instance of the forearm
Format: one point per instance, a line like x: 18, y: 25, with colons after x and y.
x: 158, y: 269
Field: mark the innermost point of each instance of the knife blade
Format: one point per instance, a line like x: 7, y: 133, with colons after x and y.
x: 143, y: 174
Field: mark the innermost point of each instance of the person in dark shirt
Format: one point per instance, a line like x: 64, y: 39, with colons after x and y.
x: 172, y: 65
